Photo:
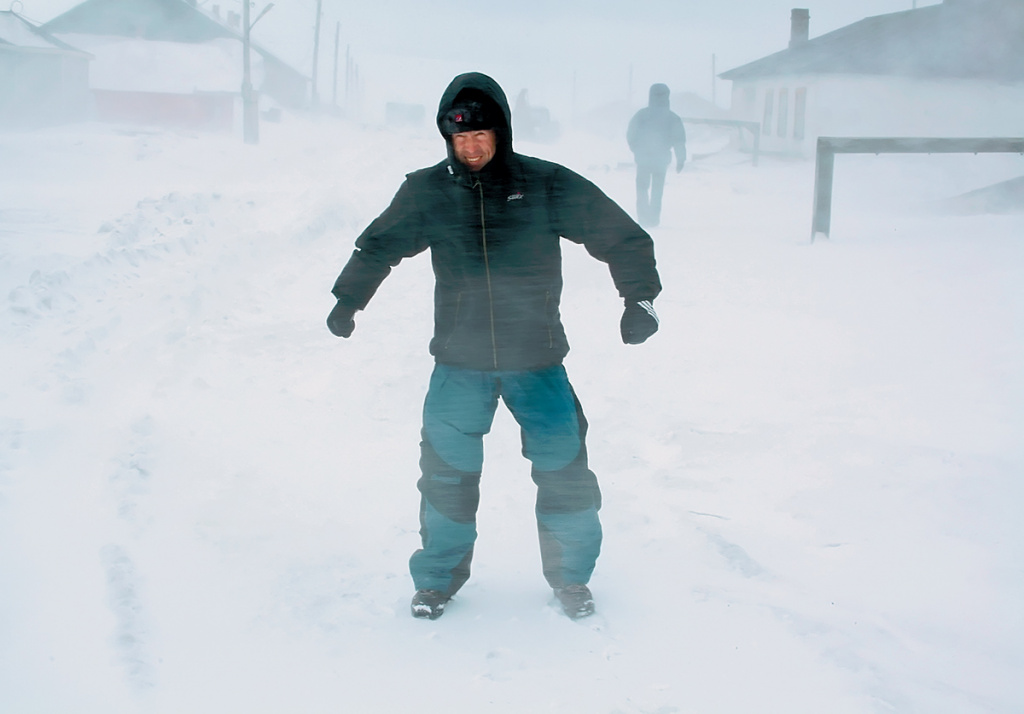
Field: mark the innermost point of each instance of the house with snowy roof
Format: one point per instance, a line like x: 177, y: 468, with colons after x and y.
x: 42, y: 80
x: 168, y: 62
x: 953, y: 69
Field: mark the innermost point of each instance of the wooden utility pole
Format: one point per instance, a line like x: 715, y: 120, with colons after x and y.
x: 250, y: 111
x: 348, y: 78
x: 250, y: 106
x: 337, y: 36
x: 714, y: 82
x: 315, y: 96
x: 574, y: 111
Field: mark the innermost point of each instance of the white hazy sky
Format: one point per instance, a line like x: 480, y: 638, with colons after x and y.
x: 602, y: 50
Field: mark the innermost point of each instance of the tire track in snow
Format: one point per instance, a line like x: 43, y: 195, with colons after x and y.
x: 131, y: 629
x: 130, y: 484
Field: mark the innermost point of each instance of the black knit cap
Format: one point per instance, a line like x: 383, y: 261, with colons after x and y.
x: 472, y: 110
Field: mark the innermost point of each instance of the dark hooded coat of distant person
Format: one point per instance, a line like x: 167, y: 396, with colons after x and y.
x: 653, y: 134
x: 494, y: 234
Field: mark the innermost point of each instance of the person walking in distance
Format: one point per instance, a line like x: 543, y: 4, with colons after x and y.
x: 492, y: 220
x: 653, y: 134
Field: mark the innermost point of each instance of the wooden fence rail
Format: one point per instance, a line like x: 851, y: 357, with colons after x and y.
x: 752, y: 126
x: 829, y: 146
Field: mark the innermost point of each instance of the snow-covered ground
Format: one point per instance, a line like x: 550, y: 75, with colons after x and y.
x: 811, y: 475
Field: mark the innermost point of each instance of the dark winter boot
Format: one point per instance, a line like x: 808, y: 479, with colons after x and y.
x: 429, y: 604
x: 576, y: 600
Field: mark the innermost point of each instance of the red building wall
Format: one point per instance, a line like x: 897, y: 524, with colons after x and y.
x: 206, y: 111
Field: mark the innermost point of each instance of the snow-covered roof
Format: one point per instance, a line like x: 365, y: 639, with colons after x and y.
x: 128, y: 64
x: 162, y: 20
x: 153, y: 19
x: 980, y: 39
x: 16, y: 31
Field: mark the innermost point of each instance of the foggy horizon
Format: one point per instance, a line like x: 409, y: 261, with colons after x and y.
x: 571, y: 57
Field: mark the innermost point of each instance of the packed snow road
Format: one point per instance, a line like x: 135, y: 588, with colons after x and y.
x: 207, y: 502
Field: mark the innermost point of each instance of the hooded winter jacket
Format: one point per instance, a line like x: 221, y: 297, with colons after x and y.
x: 655, y: 131
x: 494, y: 237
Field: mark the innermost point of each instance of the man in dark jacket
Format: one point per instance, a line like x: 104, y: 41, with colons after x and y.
x: 654, y: 133
x: 492, y: 220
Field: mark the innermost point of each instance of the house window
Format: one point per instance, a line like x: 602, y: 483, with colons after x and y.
x: 769, y: 107
x: 749, y: 101
x: 799, y: 112
x: 783, y: 112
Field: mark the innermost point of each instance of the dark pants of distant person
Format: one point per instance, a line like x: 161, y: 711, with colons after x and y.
x: 650, y: 185
x: 458, y: 410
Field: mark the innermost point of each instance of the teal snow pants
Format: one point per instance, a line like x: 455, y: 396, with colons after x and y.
x: 458, y: 411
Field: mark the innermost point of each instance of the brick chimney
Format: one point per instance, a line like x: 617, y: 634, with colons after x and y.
x: 800, y: 22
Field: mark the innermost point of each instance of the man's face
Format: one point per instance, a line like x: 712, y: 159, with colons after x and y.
x: 475, y: 149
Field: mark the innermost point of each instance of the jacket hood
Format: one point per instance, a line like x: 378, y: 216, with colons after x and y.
x: 658, y: 96
x: 486, y: 89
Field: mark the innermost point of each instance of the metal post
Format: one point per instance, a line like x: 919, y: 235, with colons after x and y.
x: 824, y: 168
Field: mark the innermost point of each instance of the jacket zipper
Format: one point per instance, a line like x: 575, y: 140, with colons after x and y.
x: 487, y: 271
x: 547, y: 318
x: 455, y: 321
